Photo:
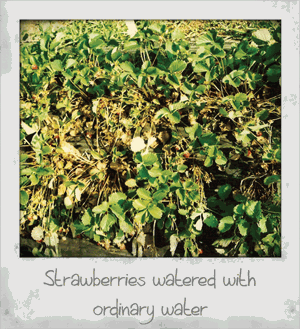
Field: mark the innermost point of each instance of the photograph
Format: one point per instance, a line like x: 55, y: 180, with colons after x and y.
x: 150, y: 138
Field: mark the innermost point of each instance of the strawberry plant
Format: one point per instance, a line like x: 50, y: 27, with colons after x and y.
x: 170, y: 131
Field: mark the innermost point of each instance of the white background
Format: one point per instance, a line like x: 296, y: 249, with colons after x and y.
x: 28, y: 303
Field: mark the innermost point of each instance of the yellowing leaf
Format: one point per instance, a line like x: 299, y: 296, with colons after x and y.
x: 199, y: 224
x: 69, y: 149
x: 61, y: 189
x: 134, y: 247
x: 174, y: 239
x: 37, y: 233
x: 69, y: 165
x: 78, y: 194
x: 137, y: 144
x: 131, y: 182
x: 141, y: 239
x: 68, y: 202
x: 132, y: 29
x: 27, y: 129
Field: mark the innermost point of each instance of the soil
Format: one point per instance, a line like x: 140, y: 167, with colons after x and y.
x: 74, y: 248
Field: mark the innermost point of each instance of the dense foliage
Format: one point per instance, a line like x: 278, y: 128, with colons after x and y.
x: 169, y: 135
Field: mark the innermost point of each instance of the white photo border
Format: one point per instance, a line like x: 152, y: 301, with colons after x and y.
x: 28, y: 303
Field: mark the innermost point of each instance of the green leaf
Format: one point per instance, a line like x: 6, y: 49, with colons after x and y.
x: 201, y: 67
x: 277, y: 155
x: 96, y: 155
x: 245, y: 137
x: 234, y: 78
x: 26, y: 171
x: 225, y: 224
x: 243, y: 226
x: 159, y: 195
x: 126, y: 226
x: 144, y: 194
x: 149, y: 159
x: 224, y: 191
x: 161, y: 113
x: 211, y: 38
x: 22, y: 136
x: 131, y: 182
x: 177, y: 106
x: 253, y: 209
x: 171, y: 48
x: 262, y: 115
x: 181, y: 194
x: 146, y: 65
x: 174, y: 117
x: 107, y: 222
x: 194, y: 131
x: 84, y: 81
x: 177, y: 34
x: 255, y: 232
x: 182, y: 168
x: 96, y: 41
x: 116, y: 197
x: 220, y: 158
x: 127, y: 66
x: 34, y: 179
x: 87, y: 217
x: 102, y: 208
x: 115, y: 54
x: 200, y: 89
x: 155, y: 172
x: 274, y: 73
x: 244, y: 248
x: 173, y: 80
x: 141, y: 81
x: 208, y: 161
x: 43, y: 43
x: 208, y: 139
x: 177, y: 66
x: 223, y: 242
x: 68, y: 74
x: 190, y: 185
x: 271, y: 179
x: 56, y: 65
x: 131, y: 45
x: 239, y: 198
x: 118, y: 211
x: 23, y: 157
x: 155, y: 211
x: 223, y: 112
x: 167, y: 173
x: 47, y: 171
x: 70, y: 62
x: 143, y: 172
x: 211, y: 221
x: 258, y: 127
x: 139, y: 204
x: 140, y: 217
x: 96, y: 238
x: 77, y: 228
x: 153, y: 71
x: 157, y: 27
x: 239, y: 209
x: 54, y: 43
x: 183, y: 212
x: 46, y: 150
x: 23, y: 198
x: 269, y: 239
x: 263, y: 225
